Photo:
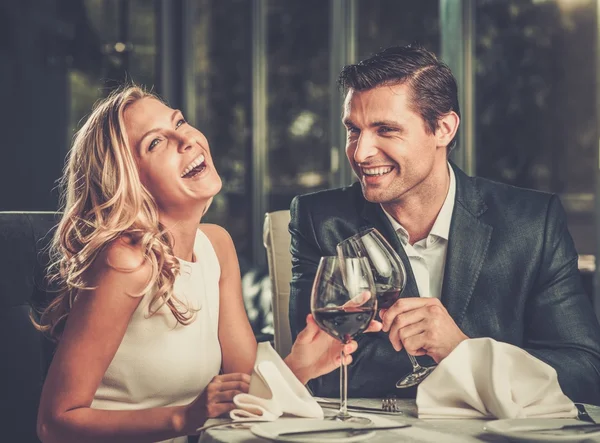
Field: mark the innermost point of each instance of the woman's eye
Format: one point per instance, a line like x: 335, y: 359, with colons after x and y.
x: 180, y: 122
x: 153, y: 144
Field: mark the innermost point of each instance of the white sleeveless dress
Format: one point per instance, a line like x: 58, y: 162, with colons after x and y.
x: 161, y: 362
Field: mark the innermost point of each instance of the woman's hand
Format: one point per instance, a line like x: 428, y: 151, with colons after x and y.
x: 316, y: 353
x: 215, y: 400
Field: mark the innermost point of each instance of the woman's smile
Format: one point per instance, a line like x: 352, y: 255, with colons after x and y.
x: 196, y: 167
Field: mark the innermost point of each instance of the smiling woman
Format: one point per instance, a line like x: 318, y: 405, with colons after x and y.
x: 173, y: 159
x: 153, y: 335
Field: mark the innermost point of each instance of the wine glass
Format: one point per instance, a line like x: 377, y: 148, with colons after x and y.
x: 389, y: 275
x: 343, y: 303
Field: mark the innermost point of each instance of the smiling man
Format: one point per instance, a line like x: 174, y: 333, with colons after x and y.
x: 483, y: 259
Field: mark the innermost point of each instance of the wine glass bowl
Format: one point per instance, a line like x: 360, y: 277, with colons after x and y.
x: 343, y: 303
x: 389, y: 276
x: 343, y: 323
x: 388, y: 270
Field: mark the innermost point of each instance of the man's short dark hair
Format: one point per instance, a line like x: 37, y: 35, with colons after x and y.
x: 433, y: 87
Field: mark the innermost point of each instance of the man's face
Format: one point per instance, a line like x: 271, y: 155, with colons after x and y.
x: 388, y: 144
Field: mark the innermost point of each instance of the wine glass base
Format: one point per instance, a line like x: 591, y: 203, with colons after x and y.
x: 414, y: 378
x: 347, y: 418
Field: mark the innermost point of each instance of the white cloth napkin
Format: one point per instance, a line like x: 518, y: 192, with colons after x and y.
x: 486, y: 378
x: 274, y: 391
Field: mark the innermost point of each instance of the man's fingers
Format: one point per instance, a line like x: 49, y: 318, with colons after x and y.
x: 407, y: 304
x: 399, y: 337
x: 395, y: 340
x: 403, y: 320
x: 411, y: 331
x: 415, y: 345
x: 418, y: 310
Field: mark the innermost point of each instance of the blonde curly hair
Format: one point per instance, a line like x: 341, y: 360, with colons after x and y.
x: 103, y: 199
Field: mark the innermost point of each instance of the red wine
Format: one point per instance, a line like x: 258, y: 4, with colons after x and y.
x: 386, y: 298
x: 344, y: 323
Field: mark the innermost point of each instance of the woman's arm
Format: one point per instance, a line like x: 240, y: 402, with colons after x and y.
x: 314, y: 352
x: 238, y: 344
x: 92, y: 335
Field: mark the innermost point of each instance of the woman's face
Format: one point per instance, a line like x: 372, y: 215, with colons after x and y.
x: 173, y: 157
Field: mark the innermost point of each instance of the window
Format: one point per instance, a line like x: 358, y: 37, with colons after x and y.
x: 298, y: 100
x: 116, y: 43
x: 223, y: 72
x: 383, y: 23
x: 536, y: 101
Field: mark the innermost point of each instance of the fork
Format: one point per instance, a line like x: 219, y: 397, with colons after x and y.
x: 335, y: 405
x: 389, y: 404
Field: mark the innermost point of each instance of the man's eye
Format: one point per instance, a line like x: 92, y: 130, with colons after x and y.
x: 385, y: 129
x: 153, y: 144
x: 180, y: 122
x: 352, y: 130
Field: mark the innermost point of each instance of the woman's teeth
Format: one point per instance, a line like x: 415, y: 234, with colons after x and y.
x: 191, y: 166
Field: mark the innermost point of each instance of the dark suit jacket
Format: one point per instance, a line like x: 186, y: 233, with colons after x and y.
x: 511, y: 274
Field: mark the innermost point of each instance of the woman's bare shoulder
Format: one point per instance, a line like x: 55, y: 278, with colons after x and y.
x: 219, y: 238
x: 122, y: 261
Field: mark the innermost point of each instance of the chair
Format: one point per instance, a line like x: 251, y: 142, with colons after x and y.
x: 25, y: 352
x: 277, y: 239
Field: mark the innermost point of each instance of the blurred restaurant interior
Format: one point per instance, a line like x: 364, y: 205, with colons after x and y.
x: 258, y: 77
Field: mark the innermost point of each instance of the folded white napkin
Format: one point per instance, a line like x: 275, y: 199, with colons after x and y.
x: 486, y: 378
x: 274, y: 391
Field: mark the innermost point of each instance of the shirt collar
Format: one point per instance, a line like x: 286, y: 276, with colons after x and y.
x: 441, y: 226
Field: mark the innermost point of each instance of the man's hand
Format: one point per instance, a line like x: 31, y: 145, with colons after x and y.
x: 422, y: 326
x: 316, y: 353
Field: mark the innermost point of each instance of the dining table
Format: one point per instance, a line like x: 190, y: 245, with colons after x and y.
x: 421, y: 430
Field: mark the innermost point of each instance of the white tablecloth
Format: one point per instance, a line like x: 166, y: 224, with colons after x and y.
x: 421, y: 431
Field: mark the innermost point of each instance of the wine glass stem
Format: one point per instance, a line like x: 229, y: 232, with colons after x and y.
x: 415, y: 363
x: 343, y: 386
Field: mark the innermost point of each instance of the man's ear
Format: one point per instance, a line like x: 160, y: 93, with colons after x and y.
x: 447, y: 127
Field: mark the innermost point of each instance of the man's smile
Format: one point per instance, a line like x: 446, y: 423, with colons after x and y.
x: 376, y: 170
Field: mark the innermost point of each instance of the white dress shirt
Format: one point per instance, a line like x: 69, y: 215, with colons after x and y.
x: 428, y: 256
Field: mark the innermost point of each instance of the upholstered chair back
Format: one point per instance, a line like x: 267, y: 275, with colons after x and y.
x: 25, y: 354
x: 277, y: 242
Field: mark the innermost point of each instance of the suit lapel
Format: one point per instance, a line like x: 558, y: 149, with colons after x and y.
x: 468, y: 242
x: 374, y: 216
